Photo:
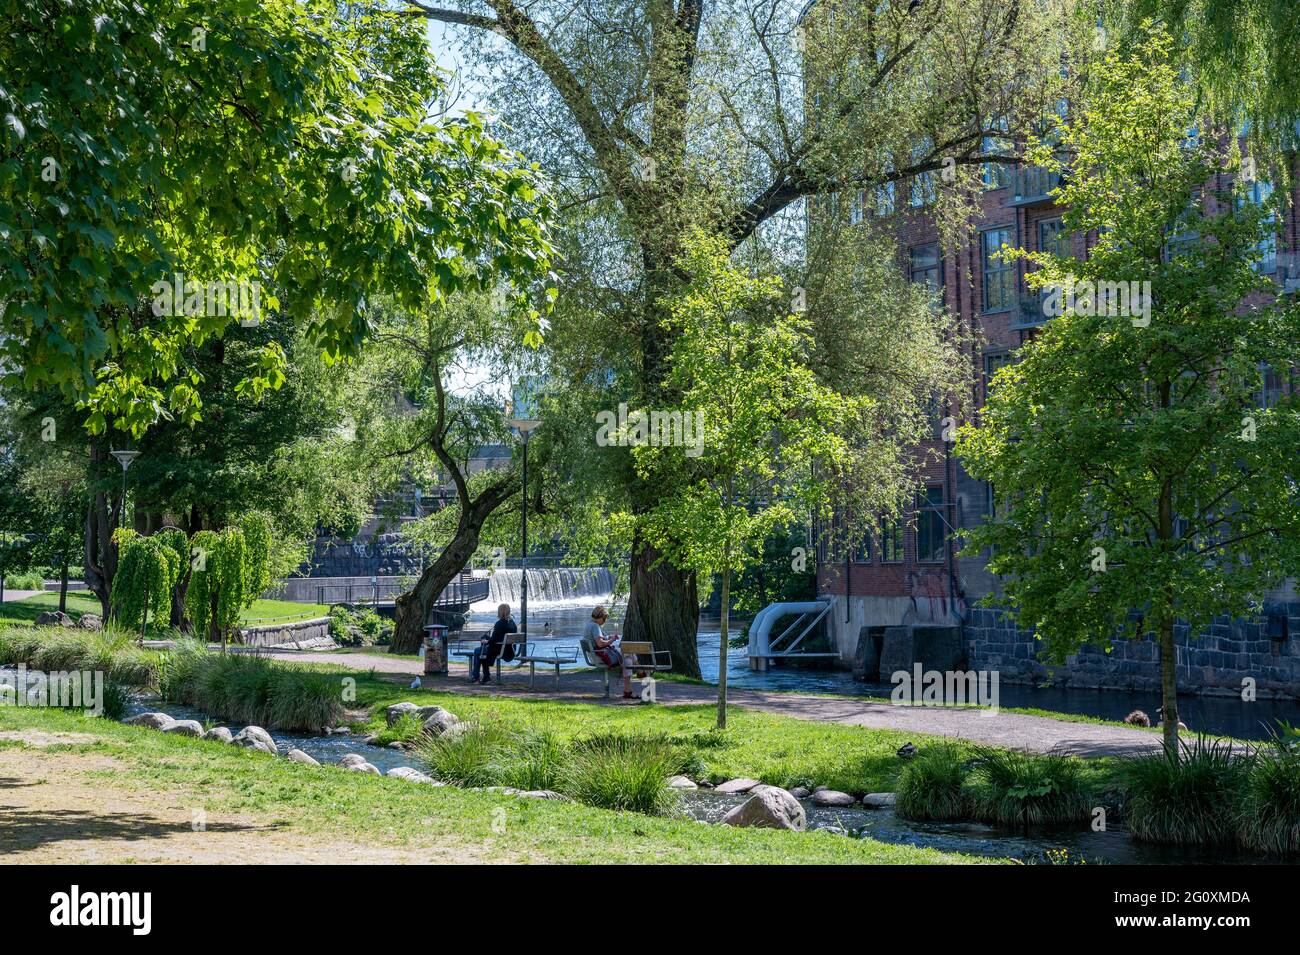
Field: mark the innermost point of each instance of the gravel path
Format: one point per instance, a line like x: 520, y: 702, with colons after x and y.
x: 1016, y: 730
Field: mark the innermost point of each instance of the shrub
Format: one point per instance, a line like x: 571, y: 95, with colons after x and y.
x: 25, y: 580
x: 614, y: 771
x: 111, y: 652
x: 930, y: 786
x: 1026, y: 789
x: 115, y: 700
x: 1268, y: 819
x: 1188, y: 797
x: 359, y: 627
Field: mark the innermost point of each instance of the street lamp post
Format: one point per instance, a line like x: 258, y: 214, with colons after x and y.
x: 124, y: 458
x: 525, y: 427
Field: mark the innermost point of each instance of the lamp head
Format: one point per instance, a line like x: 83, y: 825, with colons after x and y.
x: 125, y: 458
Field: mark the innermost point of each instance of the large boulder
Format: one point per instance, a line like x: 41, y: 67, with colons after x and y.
x: 298, y: 756
x: 742, y: 785
x: 152, y: 720
x: 768, y: 808
x: 398, y: 710
x: 90, y: 621
x: 183, y: 728
x: 410, y: 775
x: 682, y: 782
x: 879, y: 800
x: 53, y: 618
x: 254, y: 737
x: 832, y: 797
x: 352, y: 759
x: 358, y: 764
x: 218, y: 734
x: 439, y: 721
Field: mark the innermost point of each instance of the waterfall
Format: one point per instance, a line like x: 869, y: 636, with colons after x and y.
x: 551, y: 585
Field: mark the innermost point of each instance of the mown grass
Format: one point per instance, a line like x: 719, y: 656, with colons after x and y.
x: 80, y: 602
x: 336, y: 805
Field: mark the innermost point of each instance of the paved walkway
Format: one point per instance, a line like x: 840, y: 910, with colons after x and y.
x: 1017, y: 730
x: 9, y: 595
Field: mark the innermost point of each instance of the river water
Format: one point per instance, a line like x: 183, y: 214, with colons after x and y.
x: 558, y: 623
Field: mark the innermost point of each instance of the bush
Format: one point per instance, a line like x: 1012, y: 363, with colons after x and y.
x: 538, y: 761
x: 1268, y: 819
x: 359, y: 627
x: 25, y: 580
x: 930, y: 786
x: 1189, y: 797
x: 1026, y: 789
x: 115, y: 700
x: 614, y: 771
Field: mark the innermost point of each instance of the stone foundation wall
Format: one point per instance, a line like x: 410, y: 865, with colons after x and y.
x: 298, y: 631
x: 1215, y: 662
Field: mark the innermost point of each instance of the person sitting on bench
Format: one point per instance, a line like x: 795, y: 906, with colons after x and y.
x: 607, y: 648
x: 490, y: 646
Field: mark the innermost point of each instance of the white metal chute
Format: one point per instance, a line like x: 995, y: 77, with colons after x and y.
x: 760, y: 630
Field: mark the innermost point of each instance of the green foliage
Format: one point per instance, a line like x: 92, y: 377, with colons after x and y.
x: 930, y: 786
x: 1268, y: 817
x: 247, y: 688
x: 115, y: 700
x: 1189, y: 797
x: 1133, y: 465
x: 359, y: 626
x: 147, y: 573
x: 1026, y: 789
x: 473, y: 756
x: 287, y: 142
x: 25, y: 580
x: 229, y: 570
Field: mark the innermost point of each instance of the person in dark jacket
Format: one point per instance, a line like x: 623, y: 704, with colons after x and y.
x: 490, y: 646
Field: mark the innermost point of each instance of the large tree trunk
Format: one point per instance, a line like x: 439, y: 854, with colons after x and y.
x: 413, y: 606
x: 663, y: 608
x: 100, y: 553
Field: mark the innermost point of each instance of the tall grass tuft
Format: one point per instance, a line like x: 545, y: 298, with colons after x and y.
x: 537, y: 760
x: 110, y: 652
x: 931, y: 786
x: 1189, y: 797
x: 1268, y: 818
x: 473, y: 756
x: 616, y: 771
x: 1026, y: 789
x: 246, y: 688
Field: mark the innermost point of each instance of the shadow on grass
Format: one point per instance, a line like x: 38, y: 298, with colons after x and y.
x: 23, y: 829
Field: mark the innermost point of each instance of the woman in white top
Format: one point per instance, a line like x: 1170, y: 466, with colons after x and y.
x: 607, y: 648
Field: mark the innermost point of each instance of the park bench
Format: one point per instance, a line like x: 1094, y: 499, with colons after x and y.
x: 648, y: 659
x: 553, y: 656
x: 523, y: 649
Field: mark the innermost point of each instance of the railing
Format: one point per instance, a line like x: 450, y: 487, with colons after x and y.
x: 462, y: 590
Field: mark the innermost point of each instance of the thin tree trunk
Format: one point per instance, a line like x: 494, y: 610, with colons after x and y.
x: 726, y: 635
x: 1169, y: 683
x: 63, y: 587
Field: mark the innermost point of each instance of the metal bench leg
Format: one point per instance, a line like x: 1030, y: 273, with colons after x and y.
x: 532, y: 672
x: 557, y: 676
x: 498, y: 671
x: 605, y: 671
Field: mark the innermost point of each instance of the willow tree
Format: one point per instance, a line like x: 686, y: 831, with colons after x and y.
x: 658, y: 117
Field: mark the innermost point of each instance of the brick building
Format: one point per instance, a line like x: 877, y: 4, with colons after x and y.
x: 910, y: 574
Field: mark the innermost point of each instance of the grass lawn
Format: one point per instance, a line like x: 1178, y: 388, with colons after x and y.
x: 79, y: 602
x: 779, y: 750
x: 336, y: 806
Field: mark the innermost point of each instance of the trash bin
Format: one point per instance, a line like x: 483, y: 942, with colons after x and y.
x: 435, y: 649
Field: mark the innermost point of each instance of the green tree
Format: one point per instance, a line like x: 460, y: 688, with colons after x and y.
x: 658, y: 118
x: 766, y: 435
x: 228, y: 571
x: 148, y: 569
x: 284, y: 143
x: 1134, y: 466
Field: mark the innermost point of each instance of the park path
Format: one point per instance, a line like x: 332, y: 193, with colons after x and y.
x: 10, y: 595
x: 1014, y: 730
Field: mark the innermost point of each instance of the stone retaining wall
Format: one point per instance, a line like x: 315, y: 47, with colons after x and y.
x: 295, y: 631
x: 1215, y: 662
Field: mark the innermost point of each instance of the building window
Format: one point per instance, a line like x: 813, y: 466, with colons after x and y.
x: 991, y: 365
x: 995, y: 175
x: 1259, y: 193
x: 891, y: 542
x: 1052, y: 237
x: 930, y: 536
x: 927, y: 266
x: 862, y: 555
x: 884, y: 194
x: 998, y: 274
